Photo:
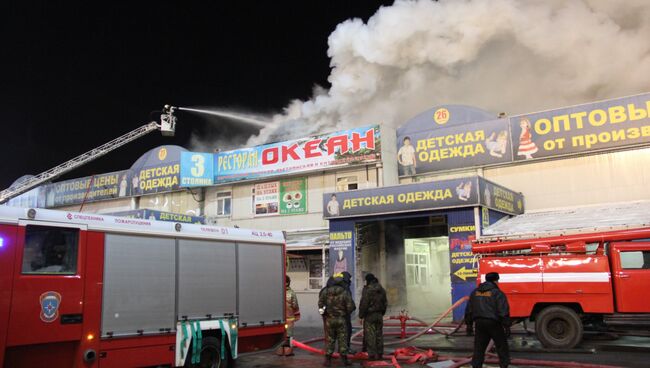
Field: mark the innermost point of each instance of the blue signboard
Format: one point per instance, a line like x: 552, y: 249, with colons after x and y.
x: 157, y: 171
x: 197, y: 169
x: 145, y: 213
x: 454, y: 137
x: 461, y: 192
x: 341, y: 248
x: 454, y: 146
x: 582, y: 128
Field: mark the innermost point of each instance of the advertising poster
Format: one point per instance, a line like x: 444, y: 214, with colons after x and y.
x: 454, y: 146
x: 349, y: 147
x: 340, y: 245
x: 196, y: 169
x: 341, y: 248
x: 266, y: 198
x: 90, y: 188
x: 582, y: 128
x: 293, y: 196
x: 463, y: 267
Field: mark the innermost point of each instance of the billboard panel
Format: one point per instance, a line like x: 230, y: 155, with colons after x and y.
x: 354, y: 146
x: 88, y: 189
x: 454, y: 146
x: 197, y: 169
x: 460, y: 192
x: 582, y: 128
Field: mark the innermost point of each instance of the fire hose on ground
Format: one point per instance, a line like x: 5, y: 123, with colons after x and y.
x: 413, y: 355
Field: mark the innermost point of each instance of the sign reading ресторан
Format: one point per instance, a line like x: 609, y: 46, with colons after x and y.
x: 451, y: 193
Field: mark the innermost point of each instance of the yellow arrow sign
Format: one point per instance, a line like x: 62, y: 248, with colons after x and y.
x: 464, y: 273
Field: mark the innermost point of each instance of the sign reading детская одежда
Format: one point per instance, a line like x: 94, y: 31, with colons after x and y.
x: 451, y: 193
x: 358, y: 145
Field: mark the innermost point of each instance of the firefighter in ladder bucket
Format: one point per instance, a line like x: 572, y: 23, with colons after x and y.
x: 488, y: 309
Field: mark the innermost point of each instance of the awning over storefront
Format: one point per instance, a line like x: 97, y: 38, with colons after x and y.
x: 308, y: 239
x: 470, y: 191
x: 572, y: 220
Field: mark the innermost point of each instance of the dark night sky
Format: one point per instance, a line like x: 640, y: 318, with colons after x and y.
x: 75, y: 76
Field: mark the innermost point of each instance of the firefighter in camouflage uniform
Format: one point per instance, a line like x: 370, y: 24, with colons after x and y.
x: 335, y: 303
x: 292, y: 316
x: 371, y: 310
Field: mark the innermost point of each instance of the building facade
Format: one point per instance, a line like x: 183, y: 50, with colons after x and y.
x: 402, y: 205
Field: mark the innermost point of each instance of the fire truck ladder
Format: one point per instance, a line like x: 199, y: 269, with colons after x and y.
x: 167, y: 127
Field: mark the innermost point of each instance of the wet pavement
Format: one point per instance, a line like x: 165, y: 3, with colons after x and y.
x: 629, y: 352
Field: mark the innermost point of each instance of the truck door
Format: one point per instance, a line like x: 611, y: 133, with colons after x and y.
x: 7, y: 249
x: 47, y: 300
x: 631, y: 274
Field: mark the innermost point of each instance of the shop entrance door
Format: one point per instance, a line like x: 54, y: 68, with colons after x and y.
x: 428, y: 281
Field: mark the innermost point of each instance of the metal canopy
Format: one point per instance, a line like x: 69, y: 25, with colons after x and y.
x: 573, y: 220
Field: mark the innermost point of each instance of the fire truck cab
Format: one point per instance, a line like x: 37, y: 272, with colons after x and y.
x: 567, y: 281
x: 83, y: 290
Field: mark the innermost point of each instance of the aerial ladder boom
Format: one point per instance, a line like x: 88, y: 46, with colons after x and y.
x: 167, y: 127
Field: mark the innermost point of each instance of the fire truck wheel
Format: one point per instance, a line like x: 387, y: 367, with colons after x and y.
x: 558, y: 327
x: 210, y: 355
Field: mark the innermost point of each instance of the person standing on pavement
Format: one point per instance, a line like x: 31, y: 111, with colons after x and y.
x: 292, y: 316
x: 330, y: 282
x: 336, y: 303
x: 488, y: 308
x: 371, y: 311
x: 347, y: 279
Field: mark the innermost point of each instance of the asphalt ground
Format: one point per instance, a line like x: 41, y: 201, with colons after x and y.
x: 622, y: 352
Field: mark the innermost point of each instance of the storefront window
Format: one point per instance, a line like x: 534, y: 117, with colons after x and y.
x: 176, y: 202
x: 224, y: 201
x: 315, y: 274
x: 346, y: 183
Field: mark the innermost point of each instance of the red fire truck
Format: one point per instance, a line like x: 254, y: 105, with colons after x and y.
x: 565, y: 282
x: 84, y: 290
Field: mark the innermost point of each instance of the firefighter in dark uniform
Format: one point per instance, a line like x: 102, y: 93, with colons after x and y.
x: 371, y: 310
x: 335, y: 303
x: 488, y: 309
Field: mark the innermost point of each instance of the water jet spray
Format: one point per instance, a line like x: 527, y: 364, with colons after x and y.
x: 228, y: 115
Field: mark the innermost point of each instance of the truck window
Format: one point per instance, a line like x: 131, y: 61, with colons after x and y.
x: 50, y: 251
x: 635, y: 260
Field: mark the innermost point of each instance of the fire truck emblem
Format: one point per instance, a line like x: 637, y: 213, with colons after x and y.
x: 50, y: 302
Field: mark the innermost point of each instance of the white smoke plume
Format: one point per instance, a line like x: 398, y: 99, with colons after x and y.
x: 499, y: 55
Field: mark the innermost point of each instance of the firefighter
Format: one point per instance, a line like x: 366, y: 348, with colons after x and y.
x: 336, y: 303
x: 347, y: 280
x: 488, y: 308
x: 292, y: 316
x: 371, y: 311
x: 330, y: 282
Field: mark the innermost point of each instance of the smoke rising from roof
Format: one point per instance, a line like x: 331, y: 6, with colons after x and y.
x: 499, y: 55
